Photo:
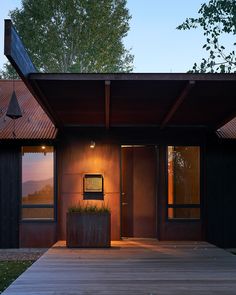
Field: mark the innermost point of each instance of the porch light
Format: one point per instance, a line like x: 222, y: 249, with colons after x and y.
x: 43, y: 147
x: 92, y: 144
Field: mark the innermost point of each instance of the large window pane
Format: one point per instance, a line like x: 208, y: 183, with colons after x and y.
x: 183, y: 181
x: 37, y: 179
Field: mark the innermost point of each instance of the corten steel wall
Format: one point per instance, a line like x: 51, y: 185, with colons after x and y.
x: 38, y: 234
x: 9, y: 196
x: 221, y: 193
x: 76, y: 158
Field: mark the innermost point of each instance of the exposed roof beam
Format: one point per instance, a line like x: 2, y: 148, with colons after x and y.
x: 45, y: 105
x: 18, y: 56
x: 133, y: 77
x: 107, y: 103
x: 15, y: 51
x: 177, y: 104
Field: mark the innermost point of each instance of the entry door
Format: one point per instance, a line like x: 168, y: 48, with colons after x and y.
x: 139, y: 191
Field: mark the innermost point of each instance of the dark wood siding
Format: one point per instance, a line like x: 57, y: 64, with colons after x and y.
x: 221, y: 194
x: 9, y: 196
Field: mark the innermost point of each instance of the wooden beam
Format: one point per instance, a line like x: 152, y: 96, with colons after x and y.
x: 18, y: 56
x: 44, y: 104
x: 16, y: 53
x: 107, y: 103
x: 133, y: 77
x: 177, y: 104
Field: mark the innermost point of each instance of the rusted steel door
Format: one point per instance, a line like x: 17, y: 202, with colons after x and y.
x: 139, y: 191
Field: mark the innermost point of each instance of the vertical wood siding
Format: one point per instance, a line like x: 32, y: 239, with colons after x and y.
x: 221, y: 194
x: 9, y: 197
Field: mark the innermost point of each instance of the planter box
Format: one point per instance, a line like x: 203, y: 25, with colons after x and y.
x: 91, y: 230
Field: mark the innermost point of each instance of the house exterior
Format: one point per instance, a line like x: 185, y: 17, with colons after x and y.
x: 159, y: 149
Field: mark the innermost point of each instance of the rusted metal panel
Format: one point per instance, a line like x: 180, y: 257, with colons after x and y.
x: 34, y: 123
x: 37, y: 234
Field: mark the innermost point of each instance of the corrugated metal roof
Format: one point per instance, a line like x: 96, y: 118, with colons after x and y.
x: 228, y: 130
x: 34, y: 124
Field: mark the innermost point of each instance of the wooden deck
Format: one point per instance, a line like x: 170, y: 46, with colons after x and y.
x: 131, y: 267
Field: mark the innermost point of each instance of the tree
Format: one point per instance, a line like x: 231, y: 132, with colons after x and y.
x: 75, y: 35
x: 8, y: 72
x: 217, y: 18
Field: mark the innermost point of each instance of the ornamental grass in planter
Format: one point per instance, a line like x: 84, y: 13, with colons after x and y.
x: 88, y: 226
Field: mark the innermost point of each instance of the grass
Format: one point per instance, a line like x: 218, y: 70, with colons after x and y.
x: 10, y: 270
x: 89, y: 208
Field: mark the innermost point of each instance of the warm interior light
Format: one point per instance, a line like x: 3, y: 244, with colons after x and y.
x: 92, y: 144
x: 43, y: 147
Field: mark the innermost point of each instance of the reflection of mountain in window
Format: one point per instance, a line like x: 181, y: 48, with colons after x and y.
x: 42, y: 196
x: 37, y: 182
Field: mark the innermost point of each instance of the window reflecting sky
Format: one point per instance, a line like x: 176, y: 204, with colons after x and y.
x: 37, y: 166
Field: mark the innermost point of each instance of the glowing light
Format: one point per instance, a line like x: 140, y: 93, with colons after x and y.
x: 92, y: 144
x: 43, y: 147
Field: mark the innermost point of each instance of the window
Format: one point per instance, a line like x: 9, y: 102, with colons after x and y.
x: 37, y: 183
x: 183, y: 182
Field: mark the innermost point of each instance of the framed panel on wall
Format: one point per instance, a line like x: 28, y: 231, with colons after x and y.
x: 93, y: 187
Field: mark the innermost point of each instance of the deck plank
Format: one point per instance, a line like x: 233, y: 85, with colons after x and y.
x: 131, y: 267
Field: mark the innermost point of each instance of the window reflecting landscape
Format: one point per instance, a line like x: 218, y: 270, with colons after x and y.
x: 183, y: 182
x: 37, y: 181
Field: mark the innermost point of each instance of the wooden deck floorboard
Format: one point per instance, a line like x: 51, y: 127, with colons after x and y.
x: 131, y: 267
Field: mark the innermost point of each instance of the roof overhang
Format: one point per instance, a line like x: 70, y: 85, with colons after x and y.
x: 112, y: 100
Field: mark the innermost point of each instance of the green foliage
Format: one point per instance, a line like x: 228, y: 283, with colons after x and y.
x: 10, y: 270
x: 8, y: 72
x: 75, y: 35
x: 89, y: 208
x: 217, y: 18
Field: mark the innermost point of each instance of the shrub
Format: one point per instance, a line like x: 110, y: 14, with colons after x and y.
x: 89, y: 208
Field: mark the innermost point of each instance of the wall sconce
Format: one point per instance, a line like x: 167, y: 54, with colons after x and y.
x: 43, y: 147
x: 92, y: 144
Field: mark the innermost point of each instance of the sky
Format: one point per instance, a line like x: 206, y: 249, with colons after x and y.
x: 156, y: 44
x: 37, y: 166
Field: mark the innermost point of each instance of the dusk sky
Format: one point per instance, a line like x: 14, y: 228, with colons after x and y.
x: 153, y: 38
x: 37, y: 166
